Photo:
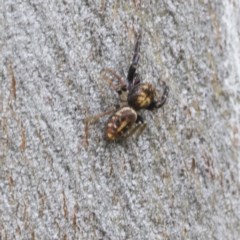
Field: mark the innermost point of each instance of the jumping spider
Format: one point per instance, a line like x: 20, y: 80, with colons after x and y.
x: 134, y: 96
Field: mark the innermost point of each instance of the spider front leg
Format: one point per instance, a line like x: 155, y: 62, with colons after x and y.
x: 131, y: 77
x: 157, y: 104
x: 109, y: 74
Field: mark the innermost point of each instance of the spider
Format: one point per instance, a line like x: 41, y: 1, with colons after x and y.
x: 134, y: 96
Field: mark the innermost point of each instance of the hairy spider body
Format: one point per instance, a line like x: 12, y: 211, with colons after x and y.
x: 119, y: 123
x: 134, y: 96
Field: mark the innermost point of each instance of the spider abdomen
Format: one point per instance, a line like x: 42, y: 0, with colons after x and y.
x: 120, y: 123
x: 141, y: 96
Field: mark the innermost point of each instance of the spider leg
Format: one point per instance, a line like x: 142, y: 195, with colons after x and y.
x: 142, y: 125
x: 121, y: 82
x: 92, y: 120
x: 131, y: 131
x: 160, y: 103
x: 138, y: 128
x: 133, y: 67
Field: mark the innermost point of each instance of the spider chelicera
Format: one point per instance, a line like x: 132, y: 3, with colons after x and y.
x: 134, y: 96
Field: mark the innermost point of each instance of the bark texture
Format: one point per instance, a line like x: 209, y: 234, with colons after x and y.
x: 178, y: 180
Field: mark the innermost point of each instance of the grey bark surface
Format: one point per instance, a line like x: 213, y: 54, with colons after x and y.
x: 178, y: 180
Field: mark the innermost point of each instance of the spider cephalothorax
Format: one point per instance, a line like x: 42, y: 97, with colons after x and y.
x: 134, y: 96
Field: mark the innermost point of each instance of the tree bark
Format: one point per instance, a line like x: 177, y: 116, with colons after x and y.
x: 60, y: 180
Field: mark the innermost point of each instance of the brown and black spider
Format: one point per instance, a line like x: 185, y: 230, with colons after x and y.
x: 134, y: 96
